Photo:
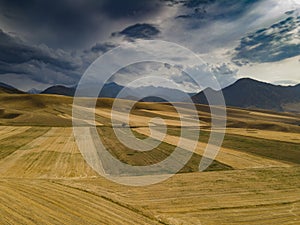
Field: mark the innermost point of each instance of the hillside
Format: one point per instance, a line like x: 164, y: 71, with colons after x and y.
x: 5, y: 88
x: 249, y: 93
x: 60, y: 90
x: 46, y: 180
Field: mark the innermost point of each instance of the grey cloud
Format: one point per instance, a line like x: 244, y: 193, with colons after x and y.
x: 142, y: 31
x: 275, y: 43
x: 85, y: 24
x: 13, y: 50
x: 40, y: 63
x: 69, y: 24
x: 225, y: 73
x: 103, y: 47
x: 174, y: 74
x: 205, y: 11
x: 137, y: 9
x: 40, y: 73
x: 91, y: 54
x: 7, y: 68
x: 290, y: 12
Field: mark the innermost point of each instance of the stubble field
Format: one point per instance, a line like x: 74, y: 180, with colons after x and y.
x: 45, y: 180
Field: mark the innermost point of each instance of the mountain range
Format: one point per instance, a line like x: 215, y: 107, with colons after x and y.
x: 112, y: 89
x: 244, y: 93
x: 249, y: 93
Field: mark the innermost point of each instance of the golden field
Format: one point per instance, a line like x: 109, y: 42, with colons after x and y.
x: 255, y: 178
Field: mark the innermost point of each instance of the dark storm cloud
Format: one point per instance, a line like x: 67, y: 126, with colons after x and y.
x: 275, y: 43
x: 142, y: 31
x: 211, y: 10
x: 102, y: 47
x: 66, y: 23
x: 56, y: 23
x: 7, y: 68
x: 53, y: 42
x: 49, y: 36
x: 136, y: 9
x: 38, y: 62
x: 15, y: 51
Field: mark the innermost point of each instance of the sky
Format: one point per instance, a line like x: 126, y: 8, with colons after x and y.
x: 44, y: 43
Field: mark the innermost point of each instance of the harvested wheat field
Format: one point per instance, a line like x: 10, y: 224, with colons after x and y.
x: 44, y: 179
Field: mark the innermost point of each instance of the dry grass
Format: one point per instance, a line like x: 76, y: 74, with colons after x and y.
x: 45, y: 180
x: 266, y: 134
x: 52, y: 154
x: 228, y: 156
x: 256, y: 196
x: 47, y: 202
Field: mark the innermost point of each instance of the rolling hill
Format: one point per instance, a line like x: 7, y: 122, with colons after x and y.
x: 5, y: 88
x: 46, y: 180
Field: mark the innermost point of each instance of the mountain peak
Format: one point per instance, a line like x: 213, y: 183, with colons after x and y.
x: 248, y: 80
x: 250, y: 93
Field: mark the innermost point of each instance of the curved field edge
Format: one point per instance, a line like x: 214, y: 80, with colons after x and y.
x: 274, y: 149
x: 42, y: 202
x: 253, y: 196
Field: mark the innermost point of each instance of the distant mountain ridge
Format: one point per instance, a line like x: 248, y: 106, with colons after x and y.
x: 34, y: 91
x: 109, y: 90
x: 59, y: 90
x: 249, y: 93
x: 5, y: 88
x: 244, y: 93
x: 112, y: 89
